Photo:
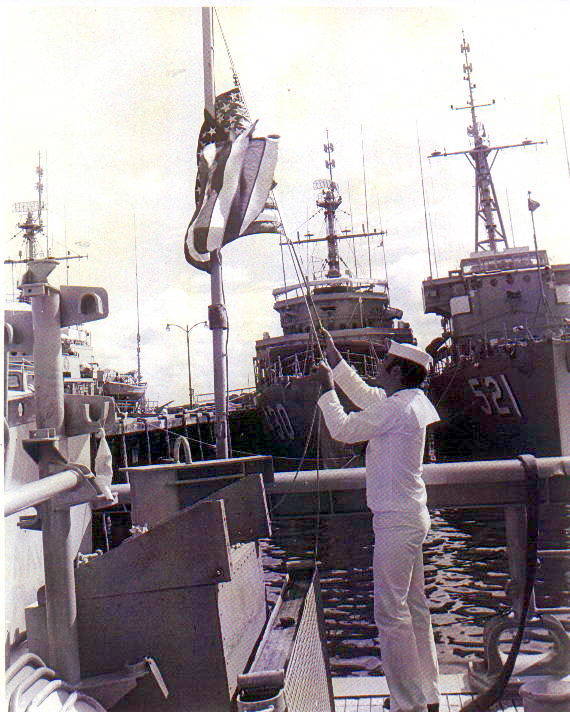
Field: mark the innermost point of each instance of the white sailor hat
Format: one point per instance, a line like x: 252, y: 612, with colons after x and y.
x: 410, y: 353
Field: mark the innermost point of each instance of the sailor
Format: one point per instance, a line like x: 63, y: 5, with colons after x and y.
x: 393, y: 419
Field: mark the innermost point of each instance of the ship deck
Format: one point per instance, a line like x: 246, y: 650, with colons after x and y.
x: 367, y: 694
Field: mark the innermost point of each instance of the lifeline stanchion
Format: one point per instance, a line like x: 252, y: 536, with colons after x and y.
x: 147, y: 436
x: 124, y: 457
x: 199, y: 437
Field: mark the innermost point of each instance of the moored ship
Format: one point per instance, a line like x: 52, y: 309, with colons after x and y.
x: 358, y: 314
x: 501, y: 378
x: 81, y: 373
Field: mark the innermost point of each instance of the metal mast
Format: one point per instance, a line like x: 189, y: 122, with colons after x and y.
x: 32, y: 226
x: 329, y: 200
x: 217, y: 310
x: 486, y: 204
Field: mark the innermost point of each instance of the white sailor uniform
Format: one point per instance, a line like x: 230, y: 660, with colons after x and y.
x: 395, y: 428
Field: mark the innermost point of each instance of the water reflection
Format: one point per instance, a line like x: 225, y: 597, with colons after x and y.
x: 466, y: 575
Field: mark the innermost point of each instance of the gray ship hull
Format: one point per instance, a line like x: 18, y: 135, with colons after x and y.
x: 511, y: 402
x: 293, y: 427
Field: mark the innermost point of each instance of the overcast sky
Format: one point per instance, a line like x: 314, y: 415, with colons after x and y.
x: 112, y: 97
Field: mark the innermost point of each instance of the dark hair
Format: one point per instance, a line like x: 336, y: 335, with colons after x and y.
x: 413, y: 375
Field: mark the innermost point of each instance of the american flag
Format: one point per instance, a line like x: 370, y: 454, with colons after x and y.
x: 230, y: 116
x: 234, y: 178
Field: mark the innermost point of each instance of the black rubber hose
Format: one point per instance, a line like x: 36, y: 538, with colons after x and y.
x: 487, y: 699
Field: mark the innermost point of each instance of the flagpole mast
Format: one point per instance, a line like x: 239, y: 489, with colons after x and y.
x: 217, y: 318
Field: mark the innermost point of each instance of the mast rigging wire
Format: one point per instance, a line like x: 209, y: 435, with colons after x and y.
x: 365, y: 200
x: 564, y: 136
x: 227, y: 407
x: 424, y: 199
x: 137, y: 295
x: 307, y: 297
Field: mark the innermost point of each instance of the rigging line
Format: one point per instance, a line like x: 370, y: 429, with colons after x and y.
x: 424, y: 199
x: 40, y: 190
x: 303, y: 281
x: 307, y: 220
x: 564, y: 136
x: 382, y: 238
x: 65, y: 241
x: 246, y: 452
x: 311, y: 308
x: 365, y: 199
x: 449, y: 383
x: 510, y: 216
x: 283, y: 264
x: 352, y: 230
x: 227, y: 408
x: 431, y: 229
x: 232, y: 65
x: 305, y: 448
x: 137, y: 295
x: 318, y: 520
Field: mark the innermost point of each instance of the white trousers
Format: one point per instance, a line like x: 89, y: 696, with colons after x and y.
x: 402, y: 614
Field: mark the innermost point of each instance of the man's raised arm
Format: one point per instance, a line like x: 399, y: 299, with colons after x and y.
x: 359, y: 392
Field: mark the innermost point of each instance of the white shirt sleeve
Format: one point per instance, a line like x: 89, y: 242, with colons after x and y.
x: 361, y: 425
x: 359, y: 392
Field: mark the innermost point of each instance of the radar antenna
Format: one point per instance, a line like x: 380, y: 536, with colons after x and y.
x: 486, y: 204
x: 33, y: 225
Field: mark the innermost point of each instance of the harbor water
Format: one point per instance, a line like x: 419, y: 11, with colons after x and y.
x: 466, y: 571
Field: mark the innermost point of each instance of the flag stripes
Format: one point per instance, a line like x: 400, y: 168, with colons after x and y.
x: 234, y: 178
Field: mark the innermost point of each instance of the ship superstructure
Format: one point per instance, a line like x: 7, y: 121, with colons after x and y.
x: 502, y: 364
x: 354, y: 309
x: 81, y: 373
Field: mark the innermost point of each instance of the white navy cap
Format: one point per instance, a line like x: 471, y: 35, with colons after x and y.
x: 410, y: 353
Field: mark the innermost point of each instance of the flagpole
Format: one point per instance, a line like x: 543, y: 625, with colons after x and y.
x: 532, y: 206
x: 217, y: 318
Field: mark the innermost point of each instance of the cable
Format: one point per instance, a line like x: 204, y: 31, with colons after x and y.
x: 318, y: 520
x: 284, y: 497
x: 487, y: 699
x: 227, y: 406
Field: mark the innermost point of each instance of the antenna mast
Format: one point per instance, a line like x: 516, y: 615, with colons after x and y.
x: 330, y: 200
x: 32, y: 226
x: 486, y: 203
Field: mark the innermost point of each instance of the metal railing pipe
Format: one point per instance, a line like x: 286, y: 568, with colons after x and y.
x: 434, y: 474
x: 123, y: 493
x: 34, y: 493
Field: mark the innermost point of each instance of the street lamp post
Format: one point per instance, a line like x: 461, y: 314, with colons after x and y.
x: 187, y: 329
